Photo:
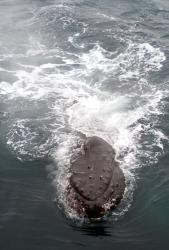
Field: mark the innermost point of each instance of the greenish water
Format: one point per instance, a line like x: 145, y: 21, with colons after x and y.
x: 100, y: 68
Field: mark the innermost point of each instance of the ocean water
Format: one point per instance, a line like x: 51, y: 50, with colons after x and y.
x: 83, y: 67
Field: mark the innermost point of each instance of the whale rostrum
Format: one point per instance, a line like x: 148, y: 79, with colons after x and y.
x: 97, y: 183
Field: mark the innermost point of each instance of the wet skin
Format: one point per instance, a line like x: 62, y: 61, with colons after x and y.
x: 97, y: 183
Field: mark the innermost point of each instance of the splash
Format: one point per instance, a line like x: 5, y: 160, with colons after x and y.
x: 97, y: 92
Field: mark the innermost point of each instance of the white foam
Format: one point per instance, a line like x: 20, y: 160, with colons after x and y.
x: 80, y: 105
x: 106, y: 16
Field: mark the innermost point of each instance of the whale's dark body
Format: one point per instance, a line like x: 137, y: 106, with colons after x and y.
x: 97, y: 183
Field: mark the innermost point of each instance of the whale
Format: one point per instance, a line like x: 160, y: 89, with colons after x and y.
x: 96, y: 183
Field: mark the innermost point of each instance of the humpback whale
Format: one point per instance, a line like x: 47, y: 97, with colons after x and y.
x: 96, y: 183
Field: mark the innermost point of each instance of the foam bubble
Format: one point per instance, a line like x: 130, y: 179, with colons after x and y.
x: 78, y: 104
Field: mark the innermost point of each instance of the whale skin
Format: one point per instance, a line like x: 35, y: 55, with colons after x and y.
x: 97, y: 183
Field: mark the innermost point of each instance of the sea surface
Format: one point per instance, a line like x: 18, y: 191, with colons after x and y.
x: 72, y: 67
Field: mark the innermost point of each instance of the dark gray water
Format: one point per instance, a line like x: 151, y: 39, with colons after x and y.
x: 95, y: 67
